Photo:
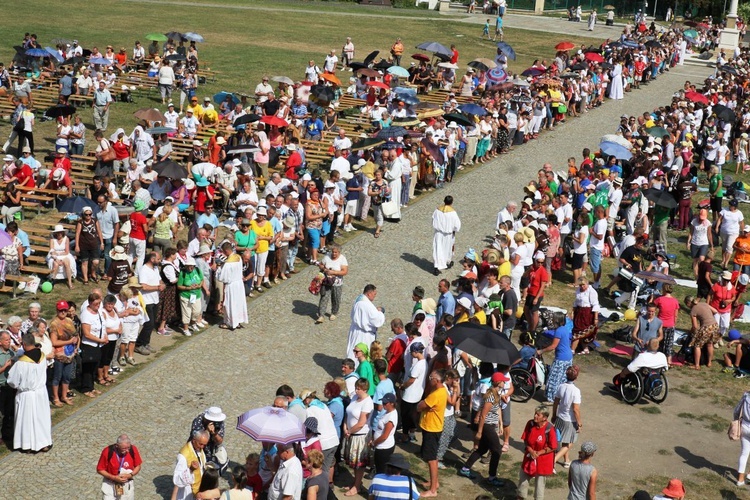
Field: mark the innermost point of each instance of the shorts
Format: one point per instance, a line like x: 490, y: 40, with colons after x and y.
x: 351, y: 207
x: 313, y: 236
x: 698, y: 251
x: 88, y: 255
x: 329, y: 456
x: 129, y: 332
x: 430, y: 444
x: 529, y: 304
x: 595, y: 260
x: 716, y: 202
x: 703, y: 291
x: 727, y: 241
x: 505, y: 413
x: 577, y: 261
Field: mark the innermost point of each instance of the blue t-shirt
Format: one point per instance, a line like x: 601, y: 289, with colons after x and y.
x: 446, y: 305
x: 277, y: 228
x: 527, y: 352
x: 499, y: 22
x: 314, y: 127
x: 563, y: 352
x: 384, y: 387
x: 336, y: 407
x: 354, y: 184
x: 208, y: 219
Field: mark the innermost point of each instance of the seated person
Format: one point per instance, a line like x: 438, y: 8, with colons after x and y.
x: 646, y: 328
x: 651, y: 359
x: 739, y: 362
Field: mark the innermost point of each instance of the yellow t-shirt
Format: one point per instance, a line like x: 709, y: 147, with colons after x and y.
x: 266, y: 230
x: 197, y: 111
x: 504, y: 269
x: 210, y: 116
x: 481, y: 316
x: 432, y: 419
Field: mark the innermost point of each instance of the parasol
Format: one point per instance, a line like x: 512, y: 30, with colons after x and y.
x: 170, y: 169
x: 274, y: 121
x: 507, y: 50
x: 283, y: 79
x: 435, y: 48
x: 150, y: 115
x: 472, y: 109
x: 398, y: 71
x: 275, y: 425
x: 496, y: 75
x: 421, y: 57
x: 330, y: 78
x: 565, y: 46
x: 617, y: 150
x: 661, y: 198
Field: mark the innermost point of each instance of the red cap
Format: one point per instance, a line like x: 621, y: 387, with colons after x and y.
x: 62, y: 305
x: 312, y: 189
x: 499, y: 377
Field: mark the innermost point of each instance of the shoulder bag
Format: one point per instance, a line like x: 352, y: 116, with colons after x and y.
x: 108, y: 154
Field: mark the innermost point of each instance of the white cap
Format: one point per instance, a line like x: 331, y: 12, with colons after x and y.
x: 190, y: 261
x: 464, y: 302
x: 588, y: 206
x: 307, y: 177
x: 329, y: 185
x: 540, y: 256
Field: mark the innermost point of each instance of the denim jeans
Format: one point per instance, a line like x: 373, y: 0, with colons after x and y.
x: 76, y: 149
x: 292, y: 255
x: 107, y: 258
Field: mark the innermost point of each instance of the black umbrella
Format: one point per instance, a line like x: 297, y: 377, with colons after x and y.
x: 483, y: 342
x: 579, y: 66
x: 357, y: 65
x: 433, y: 149
x: 653, y: 44
x: 273, y: 158
x: 60, y: 110
x: 661, y: 198
x: 20, y: 49
x: 459, y: 119
x: 367, y: 143
x: 248, y: 118
x: 391, y: 133
x: 321, y: 94
x: 175, y: 35
x: 175, y: 57
x: 76, y: 204
x: 591, y: 48
x: 382, y: 65
x: 86, y: 52
x: 72, y: 61
x: 606, y: 65
x: 170, y: 169
x: 443, y: 57
x: 729, y: 69
x: 371, y: 57
x: 724, y: 113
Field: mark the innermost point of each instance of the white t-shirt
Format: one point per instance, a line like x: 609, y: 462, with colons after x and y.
x: 700, y: 232
x: 357, y: 408
x: 335, y: 265
x: 652, y: 360
x: 580, y: 248
x: 112, y: 322
x: 569, y: 395
x: 600, y: 227
x: 730, y: 221
x: 149, y: 276
x: 390, y: 441
x: 97, y: 326
x: 615, y: 198
x: 327, y: 429
x: 413, y: 393
x: 562, y: 213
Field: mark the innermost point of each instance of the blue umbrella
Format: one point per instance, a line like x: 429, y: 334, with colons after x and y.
x: 193, y: 37
x: 630, y: 44
x: 100, y: 60
x: 405, y: 91
x: 53, y: 52
x: 37, y: 53
x: 617, y: 150
x: 532, y: 72
x: 435, y: 48
x: 398, y: 71
x: 472, y: 109
x: 160, y: 130
x: 222, y: 96
x: 408, y: 99
x: 507, y: 50
x: 75, y: 205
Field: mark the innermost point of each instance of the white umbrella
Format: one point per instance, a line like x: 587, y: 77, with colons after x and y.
x: 271, y: 424
x: 283, y: 79
x: 616, y: 138
x: 448, y: 65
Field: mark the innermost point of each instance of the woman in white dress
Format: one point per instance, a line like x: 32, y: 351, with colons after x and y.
x: 60, y: 261
x: 615, y: 86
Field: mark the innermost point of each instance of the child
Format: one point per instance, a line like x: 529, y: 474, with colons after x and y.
x: 527, y: 352
x: 376, y: 350
x: 486, y: 29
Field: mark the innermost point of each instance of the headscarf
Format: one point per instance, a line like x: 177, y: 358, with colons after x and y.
x: 365, y: 350
x: 125, y: 138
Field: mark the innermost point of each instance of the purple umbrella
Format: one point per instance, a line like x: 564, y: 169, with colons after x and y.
x: 271, y: 424
x: 496, y: 75
x: 5, y: 239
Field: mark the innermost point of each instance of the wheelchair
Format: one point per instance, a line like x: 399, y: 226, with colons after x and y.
x: 527, y: 381
x: 645, y: 382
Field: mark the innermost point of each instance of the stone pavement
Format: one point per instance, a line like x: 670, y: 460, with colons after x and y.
x: 241, y: 370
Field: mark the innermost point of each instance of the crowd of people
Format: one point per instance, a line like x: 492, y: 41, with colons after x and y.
x: 242, y: 240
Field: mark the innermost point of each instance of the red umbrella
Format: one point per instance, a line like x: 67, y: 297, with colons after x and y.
x: 565, y: 46
x: 594, y: 57
x: 380, y: 85
x: 702, y: 26
x: 696, y: 97
x: 274, y: 121
x: 421, y: 57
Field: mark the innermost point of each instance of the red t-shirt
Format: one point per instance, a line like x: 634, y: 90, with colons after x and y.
x: 537, y: 439
x: 537, y: 279
x: 112, y: 462
x: 256, y: 483
x: 396, y: 360
x: 25, y: 176
x: 63, y: 163
x: 721, y: 293
x: 201, y: 197
x: 137, y: 220
x: 122, y: 150
x: 668, y: 309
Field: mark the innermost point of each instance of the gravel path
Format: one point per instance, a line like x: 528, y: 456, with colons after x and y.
x: 240, y: 370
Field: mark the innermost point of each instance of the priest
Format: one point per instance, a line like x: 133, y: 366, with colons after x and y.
x: 235, y: 304
x: 366, y: 319
x: 28, y: 376
x: 446, y: 224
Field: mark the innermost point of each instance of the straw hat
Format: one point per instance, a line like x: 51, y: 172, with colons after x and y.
x: 118, y: 253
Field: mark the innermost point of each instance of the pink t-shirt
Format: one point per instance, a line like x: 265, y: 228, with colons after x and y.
x: 668, y: 309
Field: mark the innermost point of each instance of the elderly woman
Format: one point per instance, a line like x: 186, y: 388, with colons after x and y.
x: 89, y: 244
x: 65, y: 341
x: 563, y: 334
x: 356, y: 429
x: 132, y: 316
x: 721, y: 298
x: 59, y: 259
x: 379, y: 193
x: 113, y: 327
x: 168, y: 297
x: 35, y: 310
x: 316, y: 484
x: 540, y: 442
x: 566, y: 414
x: 704, y: 332
x: 334, y: 268
x: 585, y: 316
x: 94, y: 337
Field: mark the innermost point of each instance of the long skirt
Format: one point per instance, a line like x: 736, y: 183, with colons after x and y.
x: 482, y: 146
x: 168, y: 304
x: 583, y: 324
x: 556, y: 378
x: 503, y: 139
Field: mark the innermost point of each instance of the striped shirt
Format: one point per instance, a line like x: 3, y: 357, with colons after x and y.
x: 394, y: 487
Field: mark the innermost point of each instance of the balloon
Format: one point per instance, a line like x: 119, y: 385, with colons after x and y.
x: 630, y: 314
x: 519, y: 312
x: 734, y: 334
x: 46, y: 287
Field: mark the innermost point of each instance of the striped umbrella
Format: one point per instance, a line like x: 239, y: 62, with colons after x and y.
x: 271, y: 424
x: 496, y: 75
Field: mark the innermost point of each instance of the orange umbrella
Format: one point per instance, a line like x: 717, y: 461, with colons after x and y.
x: 381, y: 85
x: 330, y: 78
x: 565, y: 46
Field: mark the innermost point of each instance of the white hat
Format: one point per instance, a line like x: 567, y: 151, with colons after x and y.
x: 590, y: 186
x: 87, y: 209
x: 329, y: 185
x: 464, y: 302
x: 744, y: 279
x: 9, y: 158
x: 294, y: 195
x: 58, y: 228
x: 236, y: 162
x: 452, y: 125
x: 307, y: 177
x: 261, y: 210
x: 189, y: 184
x: 540, y: 256
x: 197, y: 143
x: 291, y: 147
x: 376, y: 103
x: 214, y: 414
x: 118, y: 253
x: 190, y: 261
x: 361, y: 162
x: 588, y: 206
x: 27, y: 149
x: 221, y: 141
x: 58, y: 174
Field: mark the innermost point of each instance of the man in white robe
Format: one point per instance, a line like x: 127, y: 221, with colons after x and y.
x: 190, y: 466
x: 615, y: 86
x: 393, y: 175
x: 28, y: 376
x: 366, y: 319
x: 446, y: 224
x: 230, y: 273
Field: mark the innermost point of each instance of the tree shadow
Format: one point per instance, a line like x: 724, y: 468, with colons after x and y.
x: 331, y: 364
x: 302, y: 308
x: 699, y: 462
x: 418, y: 261
x: 164, y: 486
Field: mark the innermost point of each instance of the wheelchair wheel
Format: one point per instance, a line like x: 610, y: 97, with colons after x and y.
x: 631, y: 389
x: 658, y: 387
x: 524, y: 385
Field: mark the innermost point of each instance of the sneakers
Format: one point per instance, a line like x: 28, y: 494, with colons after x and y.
x: 497, y: 483
x: 150, y: 349
x: 739, y: 374
x: 142, y: 350
x: 463, y: 471
x: 196, y: 327
x: 202, y: 323
x: 163, y: 333
x: 186, y: 332
x: 729, y: 369
x: 332, y: 317
x: 267, y: 284
x: 131, y: 361
x: 123, y: 360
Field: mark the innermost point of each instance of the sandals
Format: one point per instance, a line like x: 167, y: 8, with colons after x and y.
x: 67, y: 402
x: 505, y: 448
x: 56, y: 404
x: 90, y: 394
x: 104, y: 382
x: 224, y: 326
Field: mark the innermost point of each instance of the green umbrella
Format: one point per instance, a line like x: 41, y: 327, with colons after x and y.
x: 690, y: 33
x: 156, y: 37
x: 657, y: 131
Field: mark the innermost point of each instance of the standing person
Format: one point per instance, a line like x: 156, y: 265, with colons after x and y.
x: 235, y: 304
x: 596, y: 244
x: 191, y: 463
x: 704, y: 332
x: 585, y: 315
x: 721, y: 298
x: 384, y: 432
x: 540, y: 443
x: 190, y: 285
x: 101, y: 102
x: 742, y: 413
x: 431, y: 421
x: 563, y: 329
x: 700, y: 237
x: 347, y: 52
x: 669, y: 308
x: 151, y: 285
x: 356, y: 429
x: 89, y: 245
x: 109, y: 225
x: 395, y: 483
x: 728, y: 226
x: 582, y: 475
x: 592, y: 23
x: 453, y: 386
x: 212, y: 421
x: 93, y: 337
x: 65, y: 340
x: 28, y: 376
x: 397, y: 49
x: 7, y: 393
x: 334, y: 268
x: 287, y: 483
x: 412, y: 390
x: 118, y: 465
x: 487, y: 421
x: 538, y: 279
x: 446, y: 224
x: 566, y: 414
x: 365, y: 320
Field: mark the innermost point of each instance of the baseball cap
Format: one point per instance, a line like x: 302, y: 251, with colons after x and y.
x: 499, y: 377
x: 388, y: 398
x: 62, y: 305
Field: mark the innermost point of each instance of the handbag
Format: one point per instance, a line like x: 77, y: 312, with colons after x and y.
x: 529, y: 467
x: 108, y: 155
x: 390, y: 208
x: 314, y: 287
x: 735, y: 426
x: 20, y: 125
